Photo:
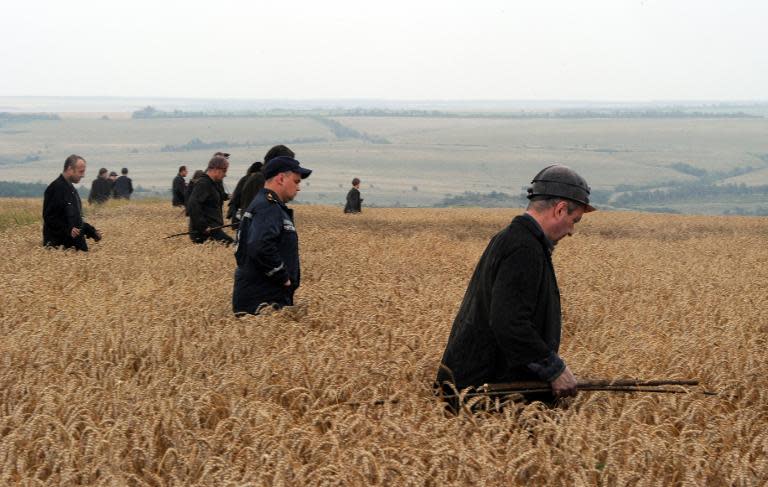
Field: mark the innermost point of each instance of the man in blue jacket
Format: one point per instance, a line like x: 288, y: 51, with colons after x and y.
x: 268, y: 270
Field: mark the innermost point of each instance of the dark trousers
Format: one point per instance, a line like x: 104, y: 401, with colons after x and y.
x: 216, y: 235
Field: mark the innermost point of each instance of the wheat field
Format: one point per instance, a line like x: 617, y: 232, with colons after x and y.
x: 125, y: 366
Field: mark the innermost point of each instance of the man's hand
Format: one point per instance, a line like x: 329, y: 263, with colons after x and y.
x: 75, y: 232
x: 565, y: 384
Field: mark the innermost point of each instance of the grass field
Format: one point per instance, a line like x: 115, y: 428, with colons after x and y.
x: 425, y: 160
x: 124, y: 366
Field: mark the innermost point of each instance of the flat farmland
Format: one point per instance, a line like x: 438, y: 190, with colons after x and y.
x: 125, y: 366
x: 425, y: 159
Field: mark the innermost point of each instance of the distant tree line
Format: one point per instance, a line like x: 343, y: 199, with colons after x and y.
x: 152, y: 112
x: 687, y: 192
x: 14, y: 189
x: 8, y: 118
x: 10, y: 161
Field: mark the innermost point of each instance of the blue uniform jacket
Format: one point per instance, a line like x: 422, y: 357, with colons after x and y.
x: 267, y: 255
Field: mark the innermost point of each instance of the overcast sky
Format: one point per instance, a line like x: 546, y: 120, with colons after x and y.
x: 611, y: 50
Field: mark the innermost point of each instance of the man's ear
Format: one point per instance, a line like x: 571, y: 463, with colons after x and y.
x: 561, y: 209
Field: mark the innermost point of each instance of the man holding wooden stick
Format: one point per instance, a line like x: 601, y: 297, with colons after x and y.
x: 508, y: 326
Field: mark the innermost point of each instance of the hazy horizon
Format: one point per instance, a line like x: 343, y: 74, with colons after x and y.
x: 97, y: 104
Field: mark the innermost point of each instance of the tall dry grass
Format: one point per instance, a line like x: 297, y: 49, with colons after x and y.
x: 124, y: 366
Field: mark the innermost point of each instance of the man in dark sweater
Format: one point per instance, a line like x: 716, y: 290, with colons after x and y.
x: 354, y: 201
x: 179, y: 187
x: 123, y: 187
x: 63, y: 223
x: 252, y: 182
x: 508, y: 326
x: 101, y: 188
x: 205, y: 203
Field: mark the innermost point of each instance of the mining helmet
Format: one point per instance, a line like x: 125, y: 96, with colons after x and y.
x: 561, y: 182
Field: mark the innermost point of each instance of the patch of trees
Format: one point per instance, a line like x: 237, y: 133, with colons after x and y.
x: 713, y: 176
x: 688, y: 192
x: 342, y: 132
x: 198, y: 144
x: 15, y: 189
x: 494, y: 199
x: 759, y: 211
x: 8, y: 118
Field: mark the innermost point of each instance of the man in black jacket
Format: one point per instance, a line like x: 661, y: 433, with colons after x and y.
x: 179, y: 187
x: 123, y: 187
x: 205, y: 203
x: 101, y: 188
x: 63, y: 223
x: 252, y: 182
x: 267, y: 255
x: 354, y: 201
x: 508, y: 326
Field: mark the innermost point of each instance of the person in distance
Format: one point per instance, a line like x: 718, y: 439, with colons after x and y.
x: 354, y: 201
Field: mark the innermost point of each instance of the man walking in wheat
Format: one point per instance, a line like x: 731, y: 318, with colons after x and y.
x: 508, y: 326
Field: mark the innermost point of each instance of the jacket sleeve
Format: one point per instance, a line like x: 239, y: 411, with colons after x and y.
x: 513, y: 308
x: 252, y: 186
x: 262, y: 245
x: 234, y: 200
x: 178, y: 189
x: 195, y: 206
x: 356, y: 200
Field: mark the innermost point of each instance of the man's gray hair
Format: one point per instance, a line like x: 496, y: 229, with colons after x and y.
x: 541, y: 203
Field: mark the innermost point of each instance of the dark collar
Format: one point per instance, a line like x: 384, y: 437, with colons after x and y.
x: 531, y: 223
x: 66, y: 181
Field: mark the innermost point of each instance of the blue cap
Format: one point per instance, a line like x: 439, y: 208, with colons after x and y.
x: 282, y: 164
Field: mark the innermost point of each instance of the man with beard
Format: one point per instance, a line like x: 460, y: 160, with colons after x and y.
x: 268, y: 270
x: 508, y: 326
x: 63, y: 223
x: 205, y: 203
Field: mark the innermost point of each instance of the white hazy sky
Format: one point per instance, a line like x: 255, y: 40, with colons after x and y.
x: 617, y: 50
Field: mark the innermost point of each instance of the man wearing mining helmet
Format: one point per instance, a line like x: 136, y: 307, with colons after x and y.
x: 508, y: 326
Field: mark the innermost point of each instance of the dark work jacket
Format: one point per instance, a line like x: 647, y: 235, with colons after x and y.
x: 243, y: 194
x: 252, y: 186
x: 354, y: 202
x: 234, y: 200
x: 123, y: 187
x: 62, y: 211
x: 267, y: 255
x: 205, y: 207
x: 101, y: 190
x: 508, y: 325
x: 179, y: 190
